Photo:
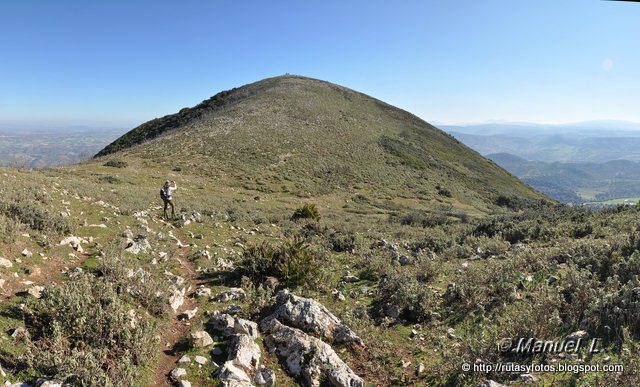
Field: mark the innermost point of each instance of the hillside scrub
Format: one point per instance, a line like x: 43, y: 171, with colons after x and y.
x: 85, y: 333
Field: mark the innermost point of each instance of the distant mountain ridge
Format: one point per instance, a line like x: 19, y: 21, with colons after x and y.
x: 583, y: 142
x: 305, y: 135
x: 576, y: 182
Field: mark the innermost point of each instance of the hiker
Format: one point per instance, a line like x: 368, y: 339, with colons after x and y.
x: 165, y: 195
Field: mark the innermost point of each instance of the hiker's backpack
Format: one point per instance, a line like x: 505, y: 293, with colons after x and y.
x: 163, y: 194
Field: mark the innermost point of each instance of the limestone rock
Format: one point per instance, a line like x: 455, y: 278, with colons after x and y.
x: 307, y: 358
x: 266, y: 377
x: 232, y: 294
x: 244, y: 352
x: 189, y: 313
x: 176, y: 299
x: 36, y: 291
x: 310, y: 316
x: 177, y: 373
x: 201, y: 360
x: 201, y: 339
x: 229, y: 325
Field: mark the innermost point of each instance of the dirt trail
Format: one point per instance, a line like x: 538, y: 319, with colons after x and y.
x: 171, y: 338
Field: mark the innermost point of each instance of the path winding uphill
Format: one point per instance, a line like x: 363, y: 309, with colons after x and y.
x: 183, y: 315
x: 201, y: 336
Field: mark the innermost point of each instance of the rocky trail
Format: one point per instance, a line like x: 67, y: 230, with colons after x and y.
x: 173, y: 336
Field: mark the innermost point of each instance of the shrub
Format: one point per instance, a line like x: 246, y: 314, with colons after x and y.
x: 308, y: 211
x: 293, y: 262
x: 36, y: 218
x: 423, y: 219
x: 85, y: 334
x: 147, y: 290
x: 443, y: 192
x: 116, y: 164
x: 415, y: 300
x: 110, y: 179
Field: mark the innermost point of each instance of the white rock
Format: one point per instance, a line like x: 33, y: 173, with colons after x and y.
x: 265, y: 377
x: 36, y: 291
x: 176, y: 299
x: 189, y: 313
x: 230, y: 373
x: 4, y: 262
x: 201, y: 339
x: 203, y: 292
x: 201, y: 360
x: 177, y: 373
x: 27, y: 253
x: 310, y: 316
x: 232, y: 294
x: 244, y: 352
x: 308, y: 358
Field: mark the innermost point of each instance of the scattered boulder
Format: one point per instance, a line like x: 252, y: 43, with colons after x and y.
x: 244, y: 352
x: 177, y: 373
x: 36, y: 291
x: 203, y: 292
x: 201, y: 339
x: 139, y: 245
x: 310, y: 316
x: 265, y: 377
x: 404, y: 260
x: 232, y: 294
x: 228, y: 325
x: 223, y: 265
x: 307, y: 358
x: 75, y: 242
x: 4, y: 262
x: 350, y: 278
x: 176, y: 299
x: 188, y: 314
x: 26, y: 253
x: 184, y: 360
x: 490, y: 383
x: 245, y: 327
x: 201, y: 360
x: 577, y: 335
x: 231, y: 375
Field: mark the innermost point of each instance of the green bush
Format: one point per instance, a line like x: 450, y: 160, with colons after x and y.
x: 415, y: 300
x: 293, y: 262
x: 308, y: 211
x: 423, y: 219
x: 116, y: 164
x: 84, y: 333
x: 35, y: 218
x: 147, y: 290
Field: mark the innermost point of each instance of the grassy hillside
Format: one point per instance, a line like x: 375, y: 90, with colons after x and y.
x: 426, y: 294
x: 307, y: 137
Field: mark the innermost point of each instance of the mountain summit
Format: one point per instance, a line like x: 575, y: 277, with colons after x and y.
x: 307, y: 136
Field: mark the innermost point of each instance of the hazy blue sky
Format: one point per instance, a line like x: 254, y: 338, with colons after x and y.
x: 124, y: 62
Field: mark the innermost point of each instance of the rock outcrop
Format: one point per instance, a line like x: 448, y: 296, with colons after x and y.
x: 307, y: 358
x: 310, y: 316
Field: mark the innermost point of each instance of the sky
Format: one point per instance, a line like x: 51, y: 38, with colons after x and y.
x: 123, y: 62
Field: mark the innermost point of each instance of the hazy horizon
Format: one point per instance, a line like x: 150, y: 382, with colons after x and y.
x: 449, y: 63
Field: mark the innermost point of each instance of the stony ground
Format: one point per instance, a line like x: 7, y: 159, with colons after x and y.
x: 382, y: 291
